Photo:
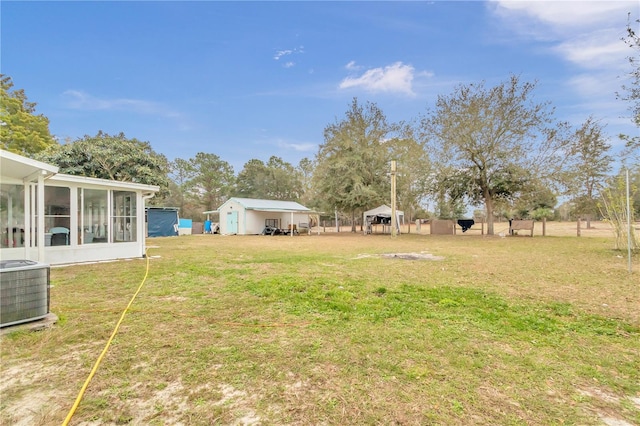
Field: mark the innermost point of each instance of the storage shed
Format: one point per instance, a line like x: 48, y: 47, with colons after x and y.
x: 381, y: 216
x: 162, y: 221
x: 247, y: 216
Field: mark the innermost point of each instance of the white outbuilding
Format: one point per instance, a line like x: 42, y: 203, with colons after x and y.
x: 381, y: 216
x: 249, y: 216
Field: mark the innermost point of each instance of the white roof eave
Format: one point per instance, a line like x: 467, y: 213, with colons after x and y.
x: 17, y: 167
x: 82, y: 180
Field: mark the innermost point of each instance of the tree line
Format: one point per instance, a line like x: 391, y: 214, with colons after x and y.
x: 496, y: 148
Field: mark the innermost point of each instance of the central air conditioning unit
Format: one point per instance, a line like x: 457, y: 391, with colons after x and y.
x: 24, y: 291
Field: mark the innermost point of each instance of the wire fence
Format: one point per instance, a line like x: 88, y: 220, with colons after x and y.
x: 500, y: 228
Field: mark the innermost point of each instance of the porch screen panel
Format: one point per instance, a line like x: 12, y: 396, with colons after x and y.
x: 93, y: 215
x: 57, y: 215
x: 12, y: 215
x: 124, y: 216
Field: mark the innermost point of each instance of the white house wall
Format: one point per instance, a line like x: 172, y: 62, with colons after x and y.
x: 57, y: 255
x: 252, y: 222
x: 76, y: 252
x: 21, y: 171
x: 226, y: 208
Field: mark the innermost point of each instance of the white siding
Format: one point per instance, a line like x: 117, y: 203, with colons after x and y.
x: 227, y: 208
x: 19, y: 170
x: 76, y: 252
x: 252, y: 219
x: 252, y: 222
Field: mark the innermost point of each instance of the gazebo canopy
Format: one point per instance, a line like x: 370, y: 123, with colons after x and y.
x: 383, y: 211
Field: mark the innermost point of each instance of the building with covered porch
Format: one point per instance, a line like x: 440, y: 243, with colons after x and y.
x: 247, y: 216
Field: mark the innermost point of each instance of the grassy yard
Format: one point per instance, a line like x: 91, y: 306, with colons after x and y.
x: 325, y: 329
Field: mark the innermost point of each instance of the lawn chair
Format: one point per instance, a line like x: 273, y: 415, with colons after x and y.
x: 59, y: 236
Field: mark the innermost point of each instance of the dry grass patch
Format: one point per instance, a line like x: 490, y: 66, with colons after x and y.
x: 306, y: 330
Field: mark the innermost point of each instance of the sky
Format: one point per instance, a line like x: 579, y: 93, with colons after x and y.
x: 249, y: 80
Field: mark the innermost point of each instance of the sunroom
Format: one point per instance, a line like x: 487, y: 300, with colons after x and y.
x: 55, y: 218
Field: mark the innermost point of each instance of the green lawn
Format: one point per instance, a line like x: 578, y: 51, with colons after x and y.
x: 324, y: 330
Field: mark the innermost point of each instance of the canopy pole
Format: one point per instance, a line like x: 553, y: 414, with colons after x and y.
x: 394, y: 219
x: 628, y: 223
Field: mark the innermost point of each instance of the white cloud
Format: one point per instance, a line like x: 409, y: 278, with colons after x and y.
x: 591, y: 85
x: 598, y: 49
x: 76, y: 99
x: 299, y: 147
x: 289, y: 64
x: 566, y: 16
x: 585, y: 33
x: 425, y: 74
x: 395, y: 78
x: 351, y: 66
x: 281, y: 53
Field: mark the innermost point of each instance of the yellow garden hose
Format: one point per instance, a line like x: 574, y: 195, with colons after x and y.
x: 104, y: 351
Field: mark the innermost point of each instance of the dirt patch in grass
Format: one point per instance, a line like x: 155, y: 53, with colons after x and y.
x: 27, y: 402
x: 606, y: 405
x: 295, y: 330
x: 403, y: 256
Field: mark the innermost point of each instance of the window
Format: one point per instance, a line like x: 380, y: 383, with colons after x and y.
x: 92, y: 215
x: 273, y: 223
x: 12, y: 215
x: 124, y: 216
x: 57, y: 215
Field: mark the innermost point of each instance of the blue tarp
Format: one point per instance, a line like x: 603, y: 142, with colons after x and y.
x: 162, y: 221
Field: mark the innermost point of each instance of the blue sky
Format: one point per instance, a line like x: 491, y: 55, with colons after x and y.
x: 248, y: 80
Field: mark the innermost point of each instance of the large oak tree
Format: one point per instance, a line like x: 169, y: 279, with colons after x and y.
x: 491, y: 141
x: 113, y: 157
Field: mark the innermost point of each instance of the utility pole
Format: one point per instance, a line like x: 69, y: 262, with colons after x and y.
x: 628, y: 223
x: 394, y: 221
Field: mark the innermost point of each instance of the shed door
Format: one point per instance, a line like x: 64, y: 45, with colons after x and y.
x: 232, y: 222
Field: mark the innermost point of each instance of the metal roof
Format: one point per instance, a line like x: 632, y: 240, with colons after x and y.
x: 270, y: 205
x: 172, y: 209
